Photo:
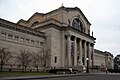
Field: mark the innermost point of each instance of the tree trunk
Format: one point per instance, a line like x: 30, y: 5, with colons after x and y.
x: 25, y: 68
x: 22, y: 68
x: 37, y: 69
x: 44, y: 67
x: 1, y: 67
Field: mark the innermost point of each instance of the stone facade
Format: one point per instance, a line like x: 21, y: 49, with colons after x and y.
x: 103, y: 59
x: 16, y: 38
x: 66, y: 32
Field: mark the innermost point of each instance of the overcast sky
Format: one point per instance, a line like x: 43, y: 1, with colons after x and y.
x: 104, y: 15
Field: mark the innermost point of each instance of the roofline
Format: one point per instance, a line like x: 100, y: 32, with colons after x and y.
x: 24, y: 29
x: 104, y: 52
x: 60, y: 8
x: 42, y: 14
x: 76, y: 8
x: 67, y: 9
x: 31, y: 17
x: 21, y: 20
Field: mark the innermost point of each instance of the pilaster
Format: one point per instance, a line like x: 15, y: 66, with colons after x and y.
x: 62, y: 49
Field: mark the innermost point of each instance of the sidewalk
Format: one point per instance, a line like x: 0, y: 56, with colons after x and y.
x: 41, y: 77
x: 47, y: 76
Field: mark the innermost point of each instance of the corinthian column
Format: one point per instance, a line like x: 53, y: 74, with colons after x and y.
x: 75, y: 52
x: 92, y: 54
x: 69, y: 49
x: 89, y: 54
x: 81, y: 52
x: 85, y: 53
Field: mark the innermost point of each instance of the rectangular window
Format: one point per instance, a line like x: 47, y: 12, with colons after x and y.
x: 27, y: 40
x: 3, y: 35
x: 37, y: 43
x: 32, y: 42
x: 21, y: 39
x: 55, y: 59
x: 16, y: 38
x: 10, y: 36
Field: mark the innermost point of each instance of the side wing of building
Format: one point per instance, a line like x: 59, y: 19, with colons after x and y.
x: 16, y: 38
x: 103, y: 59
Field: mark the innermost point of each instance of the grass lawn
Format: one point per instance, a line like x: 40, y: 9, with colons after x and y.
x: 20, y: 73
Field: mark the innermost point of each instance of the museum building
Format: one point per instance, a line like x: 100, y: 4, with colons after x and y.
x: 65, y: 31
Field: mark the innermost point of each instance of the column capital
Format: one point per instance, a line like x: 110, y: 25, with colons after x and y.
x: 83, y: 40
x: 68, y: 35
x: 92, y: 44
x: 75, y: 38
x: 88, y: 43
x: 80, y: 39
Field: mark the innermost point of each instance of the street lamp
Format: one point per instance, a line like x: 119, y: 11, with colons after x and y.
x: 87, y: 69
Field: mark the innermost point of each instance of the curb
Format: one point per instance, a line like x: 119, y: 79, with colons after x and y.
x: 42, y: 77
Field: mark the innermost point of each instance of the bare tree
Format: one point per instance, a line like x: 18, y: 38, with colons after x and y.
x: 40, y: 59
x: 24, y: 59
x: 45, y: 57
x: 36, y: 60
x: 5, y: 56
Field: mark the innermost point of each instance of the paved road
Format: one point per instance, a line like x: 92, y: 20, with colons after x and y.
x: 87, y: 77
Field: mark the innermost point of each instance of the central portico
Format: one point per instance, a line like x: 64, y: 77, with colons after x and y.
x: 78, y: 50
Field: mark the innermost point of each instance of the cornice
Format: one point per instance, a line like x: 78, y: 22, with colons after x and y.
x: 52, y: 22
x: 60, y: 26
x: 15, y: 42
x: 82, y: 33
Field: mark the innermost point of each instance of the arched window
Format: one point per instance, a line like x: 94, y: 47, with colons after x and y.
x: 35, y: 23
x: 76, y: 23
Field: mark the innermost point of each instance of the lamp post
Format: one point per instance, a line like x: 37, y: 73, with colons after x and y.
x: 87, y: 69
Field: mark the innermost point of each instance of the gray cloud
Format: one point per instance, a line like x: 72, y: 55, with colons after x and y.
x: 103, y: 14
